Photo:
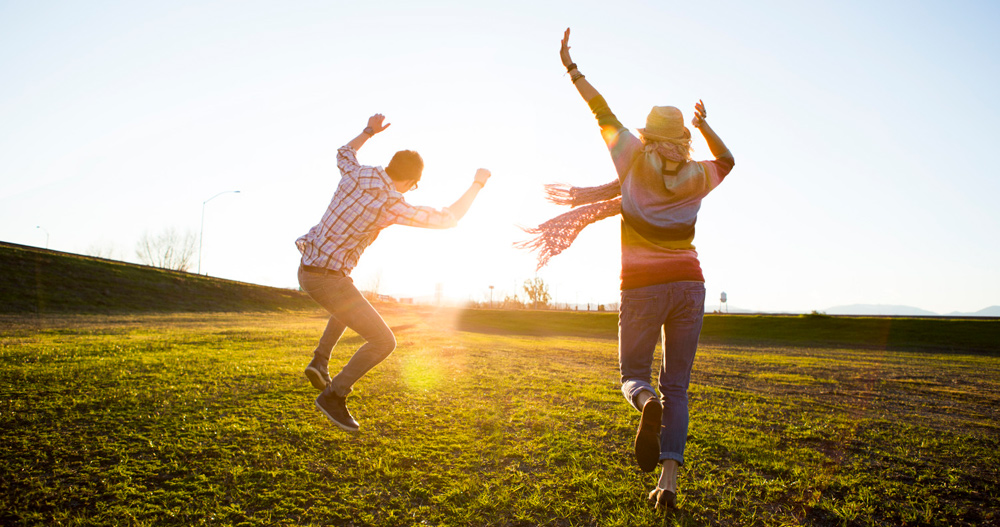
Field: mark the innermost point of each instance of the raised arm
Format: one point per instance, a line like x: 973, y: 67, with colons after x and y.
x: 403, y: 213
x: 623, y: 146
x: 374, y: 126
x: 460, y: 207
x: 586, y: 90
x: 715, y: 143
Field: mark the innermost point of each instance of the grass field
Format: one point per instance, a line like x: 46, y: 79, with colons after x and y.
x: 198, y: 419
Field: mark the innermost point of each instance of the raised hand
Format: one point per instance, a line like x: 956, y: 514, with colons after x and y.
x: 699, y: 114
x: 375, y: 123
x: 564, y: 50
x: 482, y: 175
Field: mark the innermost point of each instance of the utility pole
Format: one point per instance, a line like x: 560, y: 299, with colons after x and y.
x: 201, y: 234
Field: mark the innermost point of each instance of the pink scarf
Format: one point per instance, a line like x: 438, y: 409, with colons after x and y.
x: 556, y: 235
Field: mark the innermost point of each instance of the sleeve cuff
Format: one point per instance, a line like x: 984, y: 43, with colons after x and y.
x: 597, y: 104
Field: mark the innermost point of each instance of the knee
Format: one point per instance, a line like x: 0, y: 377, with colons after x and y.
x: 673, y: 391
x: 385, y: 342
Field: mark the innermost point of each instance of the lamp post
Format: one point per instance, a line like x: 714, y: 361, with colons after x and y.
x: 491, y: 297
x: 46, y: 235
x: 201, y: 233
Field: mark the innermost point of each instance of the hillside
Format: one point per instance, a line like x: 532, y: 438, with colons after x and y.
x: 41, y: 281
x: 937, y: 334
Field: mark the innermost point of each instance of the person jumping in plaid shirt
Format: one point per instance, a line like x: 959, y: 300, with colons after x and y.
x: 368, y: 199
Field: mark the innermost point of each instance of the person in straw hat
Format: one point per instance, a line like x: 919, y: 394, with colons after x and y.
x: 658, y: 193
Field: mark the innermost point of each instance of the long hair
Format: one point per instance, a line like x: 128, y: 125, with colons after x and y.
x: 596, y: 203
x: 671, y: 147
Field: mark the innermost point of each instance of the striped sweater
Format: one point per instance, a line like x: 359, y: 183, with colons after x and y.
x: 659, y: 206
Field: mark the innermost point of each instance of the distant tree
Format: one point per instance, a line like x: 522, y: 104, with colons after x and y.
x: 512, y: 302
x: 538, y: 292
x: 374, y: 287
x: 168, y: 250
x: 102, y: 249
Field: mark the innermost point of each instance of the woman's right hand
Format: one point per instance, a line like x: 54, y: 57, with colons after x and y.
x: 564, y: 50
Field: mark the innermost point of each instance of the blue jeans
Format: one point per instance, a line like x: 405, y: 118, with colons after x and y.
x: 672, y: 312
x: 348, y: 309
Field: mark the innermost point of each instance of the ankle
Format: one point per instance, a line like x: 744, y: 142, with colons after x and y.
x: 668, y: 476
x: 319, y: 362
x: 644, y: 397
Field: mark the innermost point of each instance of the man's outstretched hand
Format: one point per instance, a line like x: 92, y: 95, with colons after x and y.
x: 375, y: 123
x: 482, y: 175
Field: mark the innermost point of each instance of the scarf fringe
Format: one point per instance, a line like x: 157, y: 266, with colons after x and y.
x: 604, y: 201
x: 556, y: 235
x: 562, y: 194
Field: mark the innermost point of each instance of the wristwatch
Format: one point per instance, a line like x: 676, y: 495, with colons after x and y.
x: 368, y: 130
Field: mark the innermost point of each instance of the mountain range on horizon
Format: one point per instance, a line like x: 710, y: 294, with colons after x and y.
x: 885, y: 309
x: 869, y: 309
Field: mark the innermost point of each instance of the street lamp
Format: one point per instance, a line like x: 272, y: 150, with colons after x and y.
x: 491, y: 297
x: 201, y: 234
x: 46, y: 235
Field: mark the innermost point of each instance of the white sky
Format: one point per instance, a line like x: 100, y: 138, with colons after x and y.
x: 862, y: 134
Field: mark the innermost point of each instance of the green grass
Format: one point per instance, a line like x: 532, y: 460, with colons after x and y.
x: 45, y: 282
x: 196, y: 419
x: 939, y: 335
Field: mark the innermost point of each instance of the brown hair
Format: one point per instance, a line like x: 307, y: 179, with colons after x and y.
x: 405, y: 165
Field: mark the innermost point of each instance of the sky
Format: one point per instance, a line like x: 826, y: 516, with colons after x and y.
x: 862, y: 133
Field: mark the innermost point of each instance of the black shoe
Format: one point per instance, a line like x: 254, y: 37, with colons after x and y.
x: 647, y: 437
x: 334, y: 408
x: 663, y: 499
x: 318, y: 375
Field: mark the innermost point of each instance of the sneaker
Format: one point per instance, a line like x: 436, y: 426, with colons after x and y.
x: 317, y: 374
x: 334, y: 408
x: 647, y: 437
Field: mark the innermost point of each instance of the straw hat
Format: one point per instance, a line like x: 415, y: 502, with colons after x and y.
x: 664, y: 123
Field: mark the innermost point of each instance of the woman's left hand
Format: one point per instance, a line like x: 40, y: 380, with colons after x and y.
x: 564, y: 50
x: 699, y: 114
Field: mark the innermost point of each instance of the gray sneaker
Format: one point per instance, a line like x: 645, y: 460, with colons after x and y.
x: 334, y: 408
x: 318, y: 374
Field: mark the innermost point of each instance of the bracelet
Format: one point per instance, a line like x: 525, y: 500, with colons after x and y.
x: 481, y: 184
x: 577, y: 77
x: 368, y: 130
x: 571, y: 67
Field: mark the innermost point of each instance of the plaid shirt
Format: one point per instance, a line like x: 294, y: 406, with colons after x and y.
x: 366, y: 202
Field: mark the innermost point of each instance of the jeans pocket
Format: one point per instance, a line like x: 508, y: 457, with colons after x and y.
x: 694, y: 305
x: 639, y: 308
x: 323, y: 287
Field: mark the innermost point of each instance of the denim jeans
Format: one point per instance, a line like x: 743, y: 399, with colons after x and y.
x: 672, y: 312
x: 348, y: 309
